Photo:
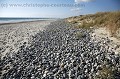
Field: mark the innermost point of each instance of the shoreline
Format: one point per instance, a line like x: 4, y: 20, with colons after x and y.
x: 25, y: 21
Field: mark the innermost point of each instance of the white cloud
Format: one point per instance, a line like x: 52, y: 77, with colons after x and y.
x: 76, y: 9
x: 78, y: 1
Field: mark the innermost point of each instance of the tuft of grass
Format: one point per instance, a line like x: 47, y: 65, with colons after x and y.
x: 106, y: 73
x: 86, y: 25
x: 79, y: 35
x: 113, y: 22
x: 74, y: 22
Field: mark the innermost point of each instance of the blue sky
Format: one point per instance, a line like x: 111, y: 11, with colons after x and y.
x: 90, y: 7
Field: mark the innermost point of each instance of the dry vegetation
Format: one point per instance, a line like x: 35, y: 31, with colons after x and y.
x: 111, y: 20
x: 105, y: 73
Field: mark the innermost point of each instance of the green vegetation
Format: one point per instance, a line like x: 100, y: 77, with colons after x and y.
x: 111, y: 20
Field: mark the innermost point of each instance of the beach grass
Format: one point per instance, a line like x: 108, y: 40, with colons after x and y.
x: 110, y: 20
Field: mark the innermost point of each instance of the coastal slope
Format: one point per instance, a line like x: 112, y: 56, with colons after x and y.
x: 63, y: 52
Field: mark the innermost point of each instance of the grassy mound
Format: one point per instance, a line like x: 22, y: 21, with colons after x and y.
x: 111, y: 20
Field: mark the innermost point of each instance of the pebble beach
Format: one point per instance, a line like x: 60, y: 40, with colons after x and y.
x: 13, y: 35
x: 55, y: 50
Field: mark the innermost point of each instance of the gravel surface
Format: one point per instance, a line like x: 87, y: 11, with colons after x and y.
x: 13, y: 35
x: 62, y: 52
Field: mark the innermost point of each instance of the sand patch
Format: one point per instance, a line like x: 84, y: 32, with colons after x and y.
x: 103, y: 33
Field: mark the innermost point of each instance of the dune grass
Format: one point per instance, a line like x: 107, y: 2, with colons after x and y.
x: 111, y: 20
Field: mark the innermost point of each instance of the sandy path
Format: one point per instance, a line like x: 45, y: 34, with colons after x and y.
x: 12, y: 36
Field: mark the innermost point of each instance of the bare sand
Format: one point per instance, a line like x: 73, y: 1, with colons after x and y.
x: 103, y: 33
x: 13, y: 35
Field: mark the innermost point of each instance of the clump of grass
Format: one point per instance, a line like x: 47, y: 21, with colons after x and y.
x: 113, y: 22
x: 74, y: 22
x: 79, y: 35
x: 86, y: 25
x: 106, y: 73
